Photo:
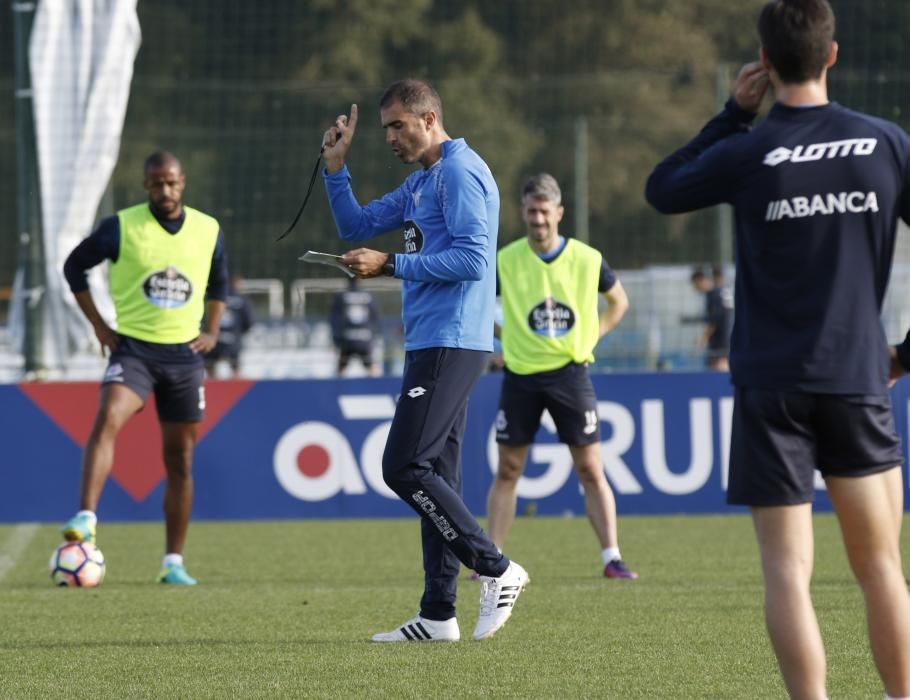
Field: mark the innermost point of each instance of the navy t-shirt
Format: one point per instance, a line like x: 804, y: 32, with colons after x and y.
x: 605, y: 281
x: 104, y: 244
x: 817, y: 192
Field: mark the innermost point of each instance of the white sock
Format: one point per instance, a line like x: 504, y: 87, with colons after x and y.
x: 892, y: 697
x: 609, y: 554
x: 172, y: 560
x: 90, y: 514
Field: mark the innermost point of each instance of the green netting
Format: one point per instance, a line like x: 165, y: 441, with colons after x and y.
x: 242, y: 91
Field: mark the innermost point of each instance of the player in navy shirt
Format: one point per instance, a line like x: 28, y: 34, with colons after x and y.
x: 717, y: 316
x: 817, y: 191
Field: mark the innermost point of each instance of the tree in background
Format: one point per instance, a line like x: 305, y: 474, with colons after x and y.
x: 245, y: 90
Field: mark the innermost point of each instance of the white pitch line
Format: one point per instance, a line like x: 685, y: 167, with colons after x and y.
x: 15, y: 544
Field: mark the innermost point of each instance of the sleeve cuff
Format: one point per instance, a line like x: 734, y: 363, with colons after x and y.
x: 338, y: 176
x: 739, y: 115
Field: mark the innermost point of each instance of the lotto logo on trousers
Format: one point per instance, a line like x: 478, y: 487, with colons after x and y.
x: 428, y: 507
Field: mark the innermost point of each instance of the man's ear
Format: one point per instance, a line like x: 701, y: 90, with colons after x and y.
x: 763, y: 57
x: 832, y: 55
x: 429, y: 119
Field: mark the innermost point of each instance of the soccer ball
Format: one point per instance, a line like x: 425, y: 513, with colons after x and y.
x: 77, y: 564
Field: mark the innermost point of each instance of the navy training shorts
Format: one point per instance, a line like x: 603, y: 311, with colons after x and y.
x: 779, y: 438
x: 172, y: 371
x: 567, y: 393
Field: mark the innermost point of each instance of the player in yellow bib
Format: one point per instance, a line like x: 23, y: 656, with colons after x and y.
x: 549, y: 291
x: 168, y: 269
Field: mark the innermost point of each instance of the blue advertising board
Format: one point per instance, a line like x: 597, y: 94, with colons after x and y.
x: 313, y: 449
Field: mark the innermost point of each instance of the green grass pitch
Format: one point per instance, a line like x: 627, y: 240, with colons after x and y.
x: 285, y: 609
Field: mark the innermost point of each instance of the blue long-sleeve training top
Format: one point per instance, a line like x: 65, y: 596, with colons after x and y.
x: 817, y: 192
x: 449, y: 214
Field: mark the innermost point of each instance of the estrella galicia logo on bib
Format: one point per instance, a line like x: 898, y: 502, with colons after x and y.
x: 413, y: 237
x: 168, y: 288
x: 551, y: 318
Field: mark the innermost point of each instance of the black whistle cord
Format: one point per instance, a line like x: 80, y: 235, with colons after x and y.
x: 306, y: 197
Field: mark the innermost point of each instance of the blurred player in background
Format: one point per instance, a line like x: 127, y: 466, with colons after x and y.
x: 718, y: 316
x: 449, y: 211
x: 236, y: 321
x: 356, y: 326
x: 817, y: 191
x: 167, y: 268
x: 549, y: 287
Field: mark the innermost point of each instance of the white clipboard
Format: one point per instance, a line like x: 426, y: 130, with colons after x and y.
x: 311, y: 256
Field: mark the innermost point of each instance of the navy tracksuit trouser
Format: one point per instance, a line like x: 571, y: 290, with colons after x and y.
x: 422, y: 464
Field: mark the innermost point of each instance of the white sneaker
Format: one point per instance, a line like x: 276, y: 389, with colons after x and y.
x: 419, y: 629
x: 497, y: 598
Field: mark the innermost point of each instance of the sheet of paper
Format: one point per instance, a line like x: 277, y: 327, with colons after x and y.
x: 312, y: 256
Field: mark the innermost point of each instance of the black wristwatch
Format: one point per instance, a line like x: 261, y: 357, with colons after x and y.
x: 903, y: 352
x: 388, y: 267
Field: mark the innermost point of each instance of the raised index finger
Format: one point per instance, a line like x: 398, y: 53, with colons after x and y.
x: 352, y: 120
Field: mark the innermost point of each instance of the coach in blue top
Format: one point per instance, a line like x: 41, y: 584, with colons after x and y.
x: 817, y: 190
x: 449, y: 213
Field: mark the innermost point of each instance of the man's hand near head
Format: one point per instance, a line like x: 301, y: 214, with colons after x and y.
x: 750, y: 86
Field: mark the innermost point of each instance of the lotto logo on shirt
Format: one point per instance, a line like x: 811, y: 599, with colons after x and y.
x: 168, y: 289
x: 413, y: 237
x: 817, y: 151
x: 551, y: 318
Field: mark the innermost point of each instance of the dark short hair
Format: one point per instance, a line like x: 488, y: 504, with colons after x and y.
x: 416, y: 96
x: 796, y: 36
x: 542, y: 186
x: 159, y: 159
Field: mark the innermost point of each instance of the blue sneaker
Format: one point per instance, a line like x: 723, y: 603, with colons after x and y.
x: 79, y: 528
x: 176, y: 575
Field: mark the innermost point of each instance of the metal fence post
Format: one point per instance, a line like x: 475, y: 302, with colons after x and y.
x: 581, y: 180
x: 31, y: 248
